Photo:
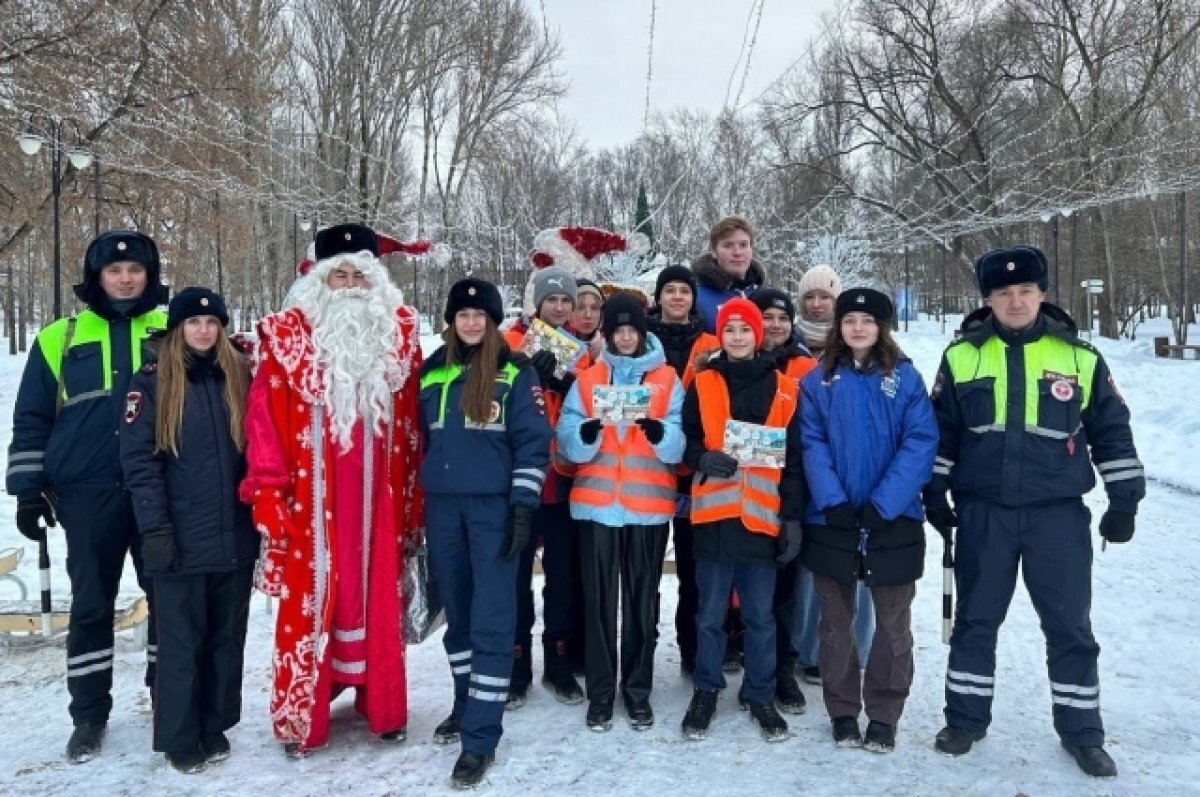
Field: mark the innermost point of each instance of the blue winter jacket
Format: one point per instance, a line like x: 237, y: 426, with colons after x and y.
x: 506, y: 454
x: 714, y: 287
x: 622, y: 371
x: 867, y: 436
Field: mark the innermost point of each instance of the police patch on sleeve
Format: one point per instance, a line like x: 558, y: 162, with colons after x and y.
x: 133, y: 405
x: 539, y: 399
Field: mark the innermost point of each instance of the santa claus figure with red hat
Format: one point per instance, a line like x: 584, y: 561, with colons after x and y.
x: 332, y: 447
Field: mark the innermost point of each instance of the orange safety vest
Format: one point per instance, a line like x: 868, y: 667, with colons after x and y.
x: 797, y: 367
x: 703, y: 343
x: 751, y: 494
x: 514, y: 337
x: 627, y: 471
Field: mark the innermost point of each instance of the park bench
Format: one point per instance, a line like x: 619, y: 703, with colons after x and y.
x: 1176, y: 351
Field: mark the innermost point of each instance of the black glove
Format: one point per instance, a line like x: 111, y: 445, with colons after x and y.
x: 589, y: 431
x: 520, y: 527
x: 158, y: 551
x: 944, y: 519
x: 872, y: 519
x: 1117, y: 526
x: 653, y: 429
x: 30, y: 510
x: 718, y: 463
x: 788, y: 541
x: 544, y: 363
x: 841, y: 517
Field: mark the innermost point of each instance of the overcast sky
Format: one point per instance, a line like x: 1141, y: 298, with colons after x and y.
x: 696, y: 49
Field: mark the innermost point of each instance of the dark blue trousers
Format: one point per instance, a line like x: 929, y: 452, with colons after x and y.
x: 553, y: 525
x: 1052, y: 544
x: 755, y: 584
x: 100, y: 529
x: 465, y: 535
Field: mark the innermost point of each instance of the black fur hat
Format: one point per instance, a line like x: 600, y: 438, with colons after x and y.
x: 863, y: 300
x: 474, y: 294
x: 346, y: 239
x: 1012, y: 266
x: 116, y: 246
x: 191, y: 302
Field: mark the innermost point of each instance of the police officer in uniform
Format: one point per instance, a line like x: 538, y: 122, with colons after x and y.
x: 64, y: 464
x: 1027, y: 414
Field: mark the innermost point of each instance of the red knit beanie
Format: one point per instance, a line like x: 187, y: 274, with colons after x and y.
x: 744, y: 310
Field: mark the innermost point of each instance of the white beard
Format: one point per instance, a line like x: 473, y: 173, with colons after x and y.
x: 355, y: 337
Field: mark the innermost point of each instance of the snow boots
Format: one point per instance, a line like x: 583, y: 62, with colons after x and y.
x: 641, y: 716
x: 85, y: 741
x: 1093, y: 761
x: 699, y: 714
x: 952, y: 740
x: 787, y: 691
x: 215, y: 747
x: 447, y: 731
x: 188, y: 763
x: 469, y: 769
x: 771, y: 724
x: 846, y: 733
x: 599, y: 717
x: 880, y: 737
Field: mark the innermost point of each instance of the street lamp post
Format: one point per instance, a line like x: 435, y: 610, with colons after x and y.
x: 42, y: 130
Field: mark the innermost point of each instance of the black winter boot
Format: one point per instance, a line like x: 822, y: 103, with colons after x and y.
x: 188, y: 763
x: 699, y: 714
x: 469, y: 769
x: 641, y: 716
x: 787, y: 691
x: 771, y: 724
x: 599, y: 717
x: 1093, y: 761
x: 880, y: 737
x: 447, y: 731
x: 85, y: 742
x: 846, y: 733
x: 558, y: 677
x: 952, y: 740
x: 522, y: 676
x: 215, y: 747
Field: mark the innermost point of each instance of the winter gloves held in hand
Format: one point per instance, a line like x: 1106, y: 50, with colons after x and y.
x: 159, y: 554
x: 944, y: 519
x: 545, y: 364
x: 653, y: 429
x: 519, y: 530
x: 841, y: 516
x: 718, y: 464
x: 1117, y: 526
x: 589, y: 430
x: 31, y: 511
x: 788, y: 541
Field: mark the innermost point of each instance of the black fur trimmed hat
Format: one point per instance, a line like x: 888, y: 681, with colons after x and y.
x: 345, y: 239
x: 1011, y: 266
x: 474, y: 294
x: 115, y: 246
x: 192, y: 302
x: 766, y: 298
x: 863, y: 300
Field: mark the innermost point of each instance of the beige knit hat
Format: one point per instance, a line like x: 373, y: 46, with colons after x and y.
x: 820, y: 278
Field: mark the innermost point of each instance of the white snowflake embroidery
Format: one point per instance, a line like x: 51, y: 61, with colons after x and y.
x: 275, y: 382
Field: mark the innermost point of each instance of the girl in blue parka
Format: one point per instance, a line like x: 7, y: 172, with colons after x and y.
x: 869, y: 439
x: 486, y: 454
x: 623, y: 497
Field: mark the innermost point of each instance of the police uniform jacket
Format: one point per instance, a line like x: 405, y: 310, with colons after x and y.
x: 507, y: 453
x: 1018, y: 413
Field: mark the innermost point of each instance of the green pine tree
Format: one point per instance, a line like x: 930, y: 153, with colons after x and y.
x: 642, y: 221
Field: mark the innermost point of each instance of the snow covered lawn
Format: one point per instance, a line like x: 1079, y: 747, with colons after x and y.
x: 1143, y: 613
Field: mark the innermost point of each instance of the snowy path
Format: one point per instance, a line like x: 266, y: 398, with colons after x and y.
x: 1143, y: 616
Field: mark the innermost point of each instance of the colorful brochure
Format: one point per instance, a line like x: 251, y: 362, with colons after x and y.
x: 566, y: 348
x: 613, y: 403
x: 754, y: 445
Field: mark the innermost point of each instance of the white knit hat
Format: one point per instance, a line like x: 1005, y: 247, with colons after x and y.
x: 820, y: 278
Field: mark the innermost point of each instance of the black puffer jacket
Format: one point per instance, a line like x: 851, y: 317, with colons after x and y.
x: 751, y: 385
x: 196, y: 490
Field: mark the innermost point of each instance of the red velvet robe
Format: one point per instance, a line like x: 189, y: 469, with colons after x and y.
x: 284, y: 418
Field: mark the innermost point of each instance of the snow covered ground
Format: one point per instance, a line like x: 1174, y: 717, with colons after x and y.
x: 1141, y: 615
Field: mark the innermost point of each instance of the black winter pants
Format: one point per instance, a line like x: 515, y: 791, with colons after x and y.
x: 100, y: 529
x: 554, y: 527
x: 632, y: 555
x: 202, y: 621
x: 689, y: 596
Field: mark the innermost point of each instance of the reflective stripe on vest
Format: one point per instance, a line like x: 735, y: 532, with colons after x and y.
x: 626, y: 470
x: 93, y: 328
x: 1047, y: 359
x: 443, y: 375
x: 751, y: 494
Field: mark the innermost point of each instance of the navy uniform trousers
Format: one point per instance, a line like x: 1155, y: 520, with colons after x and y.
x: 1052, y: 544
x: 100, y: 529
x: 477, y: 583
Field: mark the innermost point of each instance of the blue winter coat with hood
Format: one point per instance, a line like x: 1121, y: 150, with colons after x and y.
x: 622, y: 371
x: 868, y: 436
